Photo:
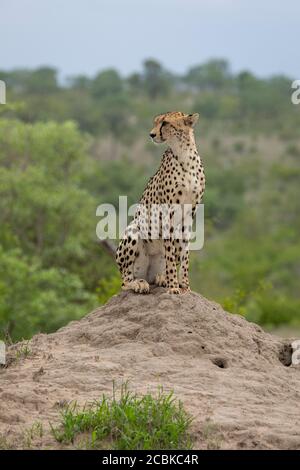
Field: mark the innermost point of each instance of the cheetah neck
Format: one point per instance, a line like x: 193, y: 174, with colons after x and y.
x: 186, y: 151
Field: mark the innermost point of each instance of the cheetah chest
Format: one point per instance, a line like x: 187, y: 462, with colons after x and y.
x: 189, y: 186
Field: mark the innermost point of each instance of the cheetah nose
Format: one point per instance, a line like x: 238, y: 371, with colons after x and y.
x: 152, y: 135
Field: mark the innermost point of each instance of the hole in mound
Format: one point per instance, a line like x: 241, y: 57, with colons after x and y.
x: 285, y: 355
x: 220, y: 362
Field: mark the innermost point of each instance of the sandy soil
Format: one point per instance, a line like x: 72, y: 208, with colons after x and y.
x: 229, y: 373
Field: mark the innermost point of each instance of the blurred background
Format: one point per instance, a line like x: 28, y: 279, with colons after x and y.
x: 84, y: 80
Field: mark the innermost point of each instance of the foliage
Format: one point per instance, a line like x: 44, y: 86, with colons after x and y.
x: 130, y: 422
x: 110, y: 103
x: 108, y: 287
x: 34, y: 299
x: 213, y: 75
x: 65, y: 149
x: 106, y: 83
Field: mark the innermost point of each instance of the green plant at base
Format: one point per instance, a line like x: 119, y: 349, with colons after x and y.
x: 130, y: 422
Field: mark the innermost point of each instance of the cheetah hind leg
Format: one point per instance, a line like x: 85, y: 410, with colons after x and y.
x: 136, y: 280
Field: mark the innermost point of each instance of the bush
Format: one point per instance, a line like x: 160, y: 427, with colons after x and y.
x: 108, y: 287
x: 34, y: 299
x: 131, y: 422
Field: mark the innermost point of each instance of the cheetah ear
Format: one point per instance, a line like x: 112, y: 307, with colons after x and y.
x: 191, y: 120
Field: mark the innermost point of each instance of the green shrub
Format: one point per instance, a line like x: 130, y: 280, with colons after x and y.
x: 273, y: 310
x: 130, y: 422
x: 108, y: 287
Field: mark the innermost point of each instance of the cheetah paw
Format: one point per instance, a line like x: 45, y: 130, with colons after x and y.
x: 174, y: 290
x: 184, y: 289
x: 140, y: 286
x: 160, y: 280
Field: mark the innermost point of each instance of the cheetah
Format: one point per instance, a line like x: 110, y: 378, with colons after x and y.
x: 143, y: 258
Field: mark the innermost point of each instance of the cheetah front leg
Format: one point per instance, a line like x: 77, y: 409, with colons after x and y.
x: 182, y: 247
x: 171, y: 271
x: 183, y: 273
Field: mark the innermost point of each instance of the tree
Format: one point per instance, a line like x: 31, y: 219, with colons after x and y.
x: 106, y: 83
x: 79, y: 82
x: 155, y: 79
x: 34, y: 299
x: 212, y: 75
x: 135, y: 82
x: 42, y: 81
x: 44, y: 208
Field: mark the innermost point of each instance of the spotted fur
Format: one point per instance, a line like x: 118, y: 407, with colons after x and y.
x: 180, y: 180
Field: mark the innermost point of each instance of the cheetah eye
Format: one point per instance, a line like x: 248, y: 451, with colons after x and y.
x: 163, y: 123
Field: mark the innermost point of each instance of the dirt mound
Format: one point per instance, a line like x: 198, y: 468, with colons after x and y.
x: 231, y: 375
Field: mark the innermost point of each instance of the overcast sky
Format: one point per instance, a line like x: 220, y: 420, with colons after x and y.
x: 83, y: 36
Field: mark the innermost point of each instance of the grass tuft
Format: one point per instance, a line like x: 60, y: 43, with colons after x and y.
x: 211, y: 435
x: 130, y: 422
x: 23, y: 351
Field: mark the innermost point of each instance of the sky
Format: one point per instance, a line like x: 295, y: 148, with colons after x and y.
x: 85, y: 36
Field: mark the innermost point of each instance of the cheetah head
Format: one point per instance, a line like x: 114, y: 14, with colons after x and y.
x: 173, y: 126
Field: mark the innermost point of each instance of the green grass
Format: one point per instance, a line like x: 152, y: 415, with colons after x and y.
x: 35, y: 431
x: 129, y: 422
x: 5, y: 444
x: 23, y: 351
x: 212, y: 435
